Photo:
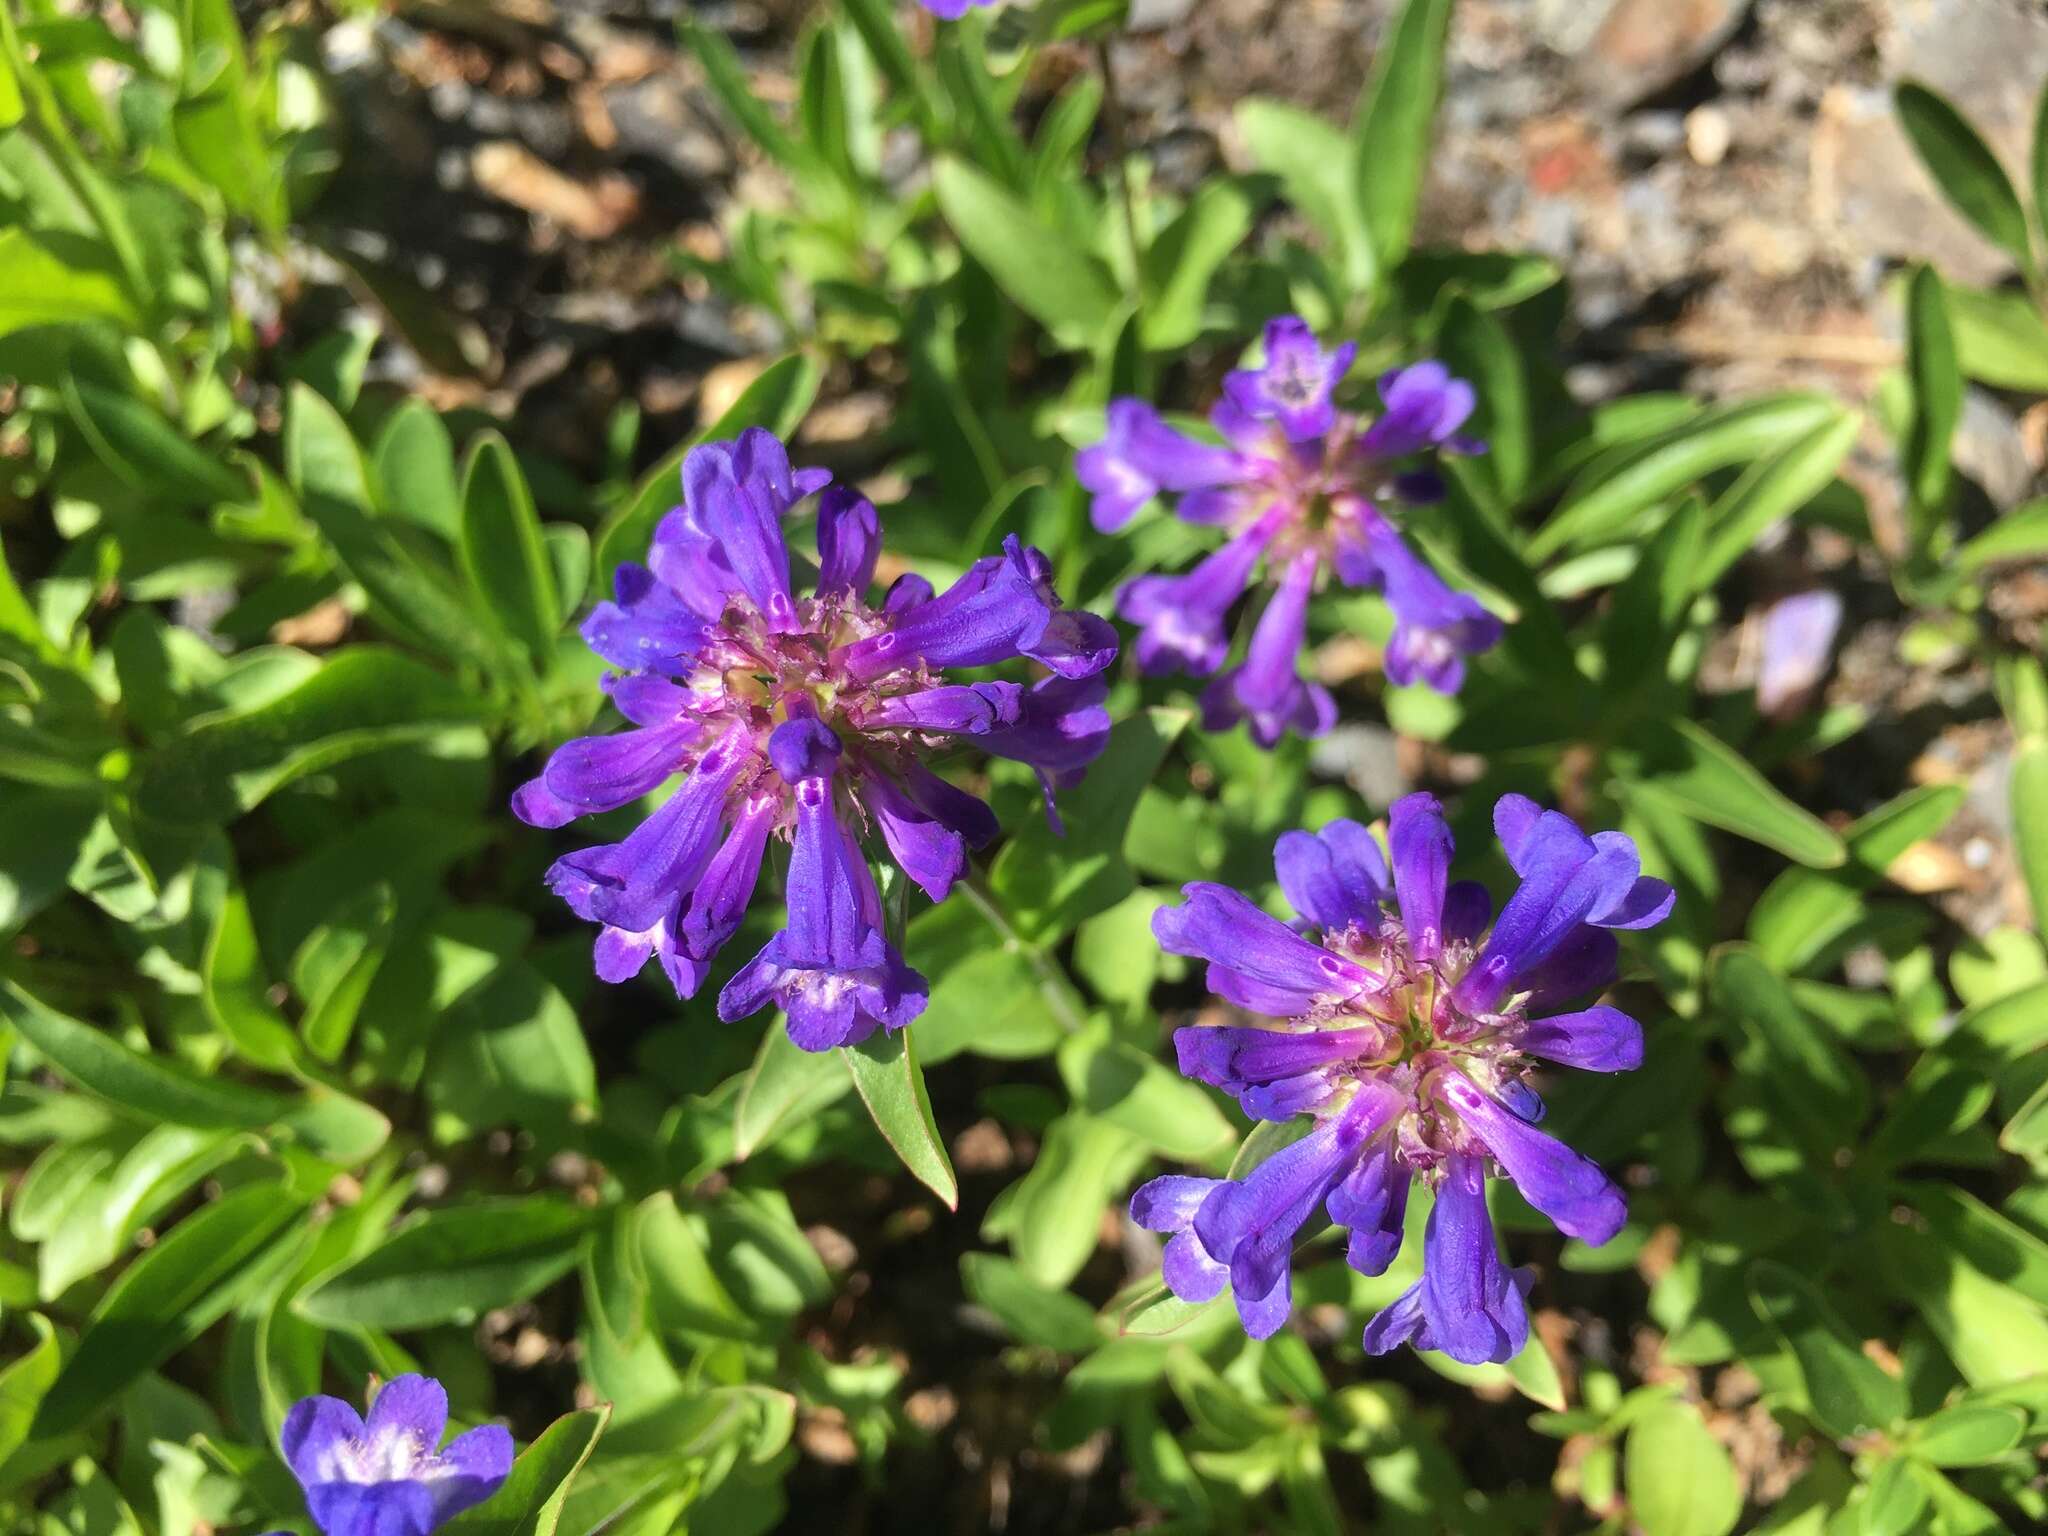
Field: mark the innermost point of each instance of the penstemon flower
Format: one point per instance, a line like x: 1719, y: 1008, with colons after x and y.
x: 809, y: 719
x: 1410, y: 1025
x: 1305, y: 489
x: 384, y: 1476
x: 952, y: 10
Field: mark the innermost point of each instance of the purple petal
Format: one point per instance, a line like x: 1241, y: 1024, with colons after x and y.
x: 737, y: 492
x: 1233, y: 1059
x: 1583, y: 963
x: 849, y: 542
x: 929, y: 851
x: 646, y: 628
x: 1189, y: 1271
x: 618, y: 956
x: 1467, y: 906
x: 1138, y: 457
x: 398, y: 1508
x: 1399, y: 1322
x: 601, y: 773
x: 1169, y: 1202
x: 1335, y: 878
x: 1182, y: 617
x: 969, y: 708
x: 1799, y: 634
x: 409, y: 1405
x: 692, y: 565
x: 718, y: 904
x: 313, y: 1431
x: 482, y: 1460
x: 1420, y: 841
x: 1435, y: 627
x: 1514, y: 821
x: 1598, y: 1039
x: 632, y: 884
x: 804, y: 747
x: 1373, y: 1202
x: 1568, y: 1188
x: 1473, y: 1306
x: 1268, y: 692
x: 1424, y: 407
x: 1221, y: 926
x: 534, y: 804
x: 1295, y: 385
x: 964, y: 813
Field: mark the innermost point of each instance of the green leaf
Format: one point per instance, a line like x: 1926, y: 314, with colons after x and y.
x: 1680, y: 1481
x: 100, y: 1064
x: 233, y: 983
x: 776, y: 400
x: 1937, y: 401
x: 1983, y: 1237
x: 1312, y: 160
x: 46, y: 286
x: 1964, y: 169
x: 1828, y: 1093
x: 146, y: 452
x: 1846, y: 1392
x: 785, y: 1086
x: 1770, y: 491
x: 1047, y: 883
x: 1391, y: 137
x: 1968, y: 1434
x: 365, y: 699
x: 2021, y: 534
x: 1060, y: 285
x: 502, y: 551
x: 451, y: 1265
x: 1159, y: 1312
x: 2000, y: 337
x: 26, y: 1380
x: 1696, y: 773
x: 1992, y: 1333
x: 728, y: 80
x: 413, y: 595
x: 687, y: 1293
x: 891, y: 1084
x: 2028, y: 789
x: 1130, y: 1088
x: 166, y: 1299
x: 529, y: 1503
x: 1180, y: 264
x: 1033, y: 1313
x: 416, y: 469
x: 1893, y: 1500
x: 1476, y: 346
x: 1053, y: 1215
x: 1627, y: 481
x: 1803, y: 911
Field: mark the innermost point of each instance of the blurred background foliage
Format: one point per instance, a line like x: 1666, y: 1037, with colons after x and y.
x: 307, y: 1081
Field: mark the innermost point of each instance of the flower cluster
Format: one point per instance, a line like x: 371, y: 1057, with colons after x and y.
x: 808, y: 718
x: 382, y: 1476
x: 1410, y: 1024
x: 1303, y: 488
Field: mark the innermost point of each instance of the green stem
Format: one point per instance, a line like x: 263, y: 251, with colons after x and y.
x: 1061, y: 996
x: 1119, y: 146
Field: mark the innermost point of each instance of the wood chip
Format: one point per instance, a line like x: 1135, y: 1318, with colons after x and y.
x: 514, y: 174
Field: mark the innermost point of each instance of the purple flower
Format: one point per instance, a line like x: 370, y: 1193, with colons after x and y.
x: 952, y: 10
x: 1304, y: 492
x: 1799, y: 632
x: 805, y: 719
x: 383, y: 1476
x: 1406, y: 1018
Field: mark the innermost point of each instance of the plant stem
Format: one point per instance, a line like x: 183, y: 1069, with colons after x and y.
x: 1119, y: 145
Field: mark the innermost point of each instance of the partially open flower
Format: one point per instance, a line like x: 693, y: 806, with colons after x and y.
x: 1410, y: 1023
x: 807, y: 718
x: 384, y: 1476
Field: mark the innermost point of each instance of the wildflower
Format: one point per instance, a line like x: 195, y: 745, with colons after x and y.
x: 1405, y: 1023
x: 1303, y: 490
x: 1799, y: 632
x: 952, y: 10
x: 383, y: 1476
x: 809, y: 719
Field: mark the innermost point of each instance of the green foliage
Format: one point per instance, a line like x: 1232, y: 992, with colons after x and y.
x: 306, y: 1079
